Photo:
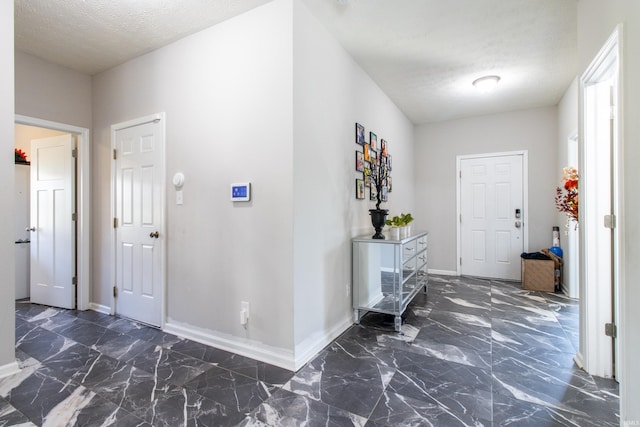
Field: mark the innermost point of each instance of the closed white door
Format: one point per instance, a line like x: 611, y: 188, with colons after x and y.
x: 53, y: 229
x: 139, y: 201
x: 491, y: 216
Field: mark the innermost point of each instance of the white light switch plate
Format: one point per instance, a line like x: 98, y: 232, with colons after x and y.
x: 179, y: 199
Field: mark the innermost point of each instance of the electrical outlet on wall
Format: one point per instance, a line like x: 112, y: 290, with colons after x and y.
x: 244, y: 313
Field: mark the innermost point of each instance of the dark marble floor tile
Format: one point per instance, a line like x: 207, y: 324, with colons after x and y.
x: 86, y: 333
x: 153, y: 335
x: 574, y: 396
x: 452, y: 353
x: 124, y: 347
x: 397, y: 410
x: 508, y: 411
x: 70, y: 361
x: 289, y: 409
x: 42, y: 344
x: 200, y: 351
x: 454, y: 302
x: 26, y: 310
x: 94, y: 317
x: 170, y: 366
x: 458, y: 329
x: 256, y: 370
x: 85, y: 408
x: 417, y: 376
x: 182, y: 407
x: 230, y: 389
x: 38, y: 393
x: 343, y: 382
x: 535, y: 341
x: 10, y: 416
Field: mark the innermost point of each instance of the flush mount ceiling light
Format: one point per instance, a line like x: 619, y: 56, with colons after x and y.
x: 486, y: 83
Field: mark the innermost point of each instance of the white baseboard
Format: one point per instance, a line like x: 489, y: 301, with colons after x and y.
x: 245, y: 347
x: 311, y: 346
x: 9, y: 369
x: 443, y: 272
x: 99, y: 308
x: 283, y: 358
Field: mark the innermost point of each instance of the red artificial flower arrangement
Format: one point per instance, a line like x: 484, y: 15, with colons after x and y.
x: 567, y: 196
x: 20, y: 156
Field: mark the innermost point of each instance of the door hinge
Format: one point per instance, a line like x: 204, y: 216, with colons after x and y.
x: 115, y: 222
x: 115, y: 292
x: 74, y: 153
x: 460, y: 217
x: 610, y: 330
x: 115, y: 154
x: 610, y: 221
x: 74, y: 280
x: 460, y: 260
x: 74, y: 216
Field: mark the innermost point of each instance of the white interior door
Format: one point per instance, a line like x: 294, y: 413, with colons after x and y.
x: 139, y: 201
x: 491, y: 216
x: 52, y: 207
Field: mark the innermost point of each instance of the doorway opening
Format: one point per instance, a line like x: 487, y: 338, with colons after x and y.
x: 601, y: 228
x: 82, y: 183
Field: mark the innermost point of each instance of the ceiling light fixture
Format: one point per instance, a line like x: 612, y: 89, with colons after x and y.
x: 486, y: 83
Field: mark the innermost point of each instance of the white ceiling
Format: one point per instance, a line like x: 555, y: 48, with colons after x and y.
x: 423, y: 53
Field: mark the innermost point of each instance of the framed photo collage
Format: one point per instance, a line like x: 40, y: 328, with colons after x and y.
x: 371, y: 154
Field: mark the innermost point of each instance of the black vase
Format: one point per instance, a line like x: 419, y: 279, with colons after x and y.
x: 378, y: 217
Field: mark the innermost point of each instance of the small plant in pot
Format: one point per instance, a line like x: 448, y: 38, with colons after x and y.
x: 400, y: 227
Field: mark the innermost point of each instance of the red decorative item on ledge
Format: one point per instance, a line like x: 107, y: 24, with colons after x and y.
x: 567, y: 200
x: 20, y: 156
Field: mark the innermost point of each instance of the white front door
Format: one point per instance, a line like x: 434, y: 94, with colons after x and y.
x: 53, y: 229
x: 491, y: 216
x: 139, y: 201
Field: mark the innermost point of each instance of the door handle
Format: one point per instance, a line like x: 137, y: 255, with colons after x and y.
x: 518, y: 224
x: 30, y: 229
x: 154, y: 234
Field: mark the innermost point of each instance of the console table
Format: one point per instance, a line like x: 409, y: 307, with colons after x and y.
x: 387, y: 274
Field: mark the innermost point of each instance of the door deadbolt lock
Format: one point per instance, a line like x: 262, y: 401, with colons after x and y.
x: 154, y: 234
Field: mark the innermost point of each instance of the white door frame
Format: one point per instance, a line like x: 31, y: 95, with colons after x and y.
x: 83, y: 206
x: 595, y: 347
x: 163, y: 227
x: 525, y: 197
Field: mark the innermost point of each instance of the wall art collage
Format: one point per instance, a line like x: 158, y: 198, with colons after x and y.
x: 372, y: 160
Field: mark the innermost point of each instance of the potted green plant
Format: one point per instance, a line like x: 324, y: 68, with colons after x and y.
x: 400, y: 227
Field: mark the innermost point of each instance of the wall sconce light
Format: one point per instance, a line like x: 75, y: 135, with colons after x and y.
x: 486, y: 83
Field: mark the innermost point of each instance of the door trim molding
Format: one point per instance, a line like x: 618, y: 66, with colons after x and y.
x: 161, y: 117
x: 593, y: 314
x: 525, y: 196
x: 83, y: 206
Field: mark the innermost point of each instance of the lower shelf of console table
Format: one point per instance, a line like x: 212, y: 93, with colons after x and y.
x: 388, y: 274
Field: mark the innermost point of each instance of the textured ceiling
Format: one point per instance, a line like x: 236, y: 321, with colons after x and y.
x: 94, y: 35
x: 423, y: 53
x: 426, y: 53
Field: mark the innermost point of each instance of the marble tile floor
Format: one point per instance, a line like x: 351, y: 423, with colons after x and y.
x: 473, y: 352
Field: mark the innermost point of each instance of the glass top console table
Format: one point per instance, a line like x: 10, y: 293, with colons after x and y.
x: 388, y: 274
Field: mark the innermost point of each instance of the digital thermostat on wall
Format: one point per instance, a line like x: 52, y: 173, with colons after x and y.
x: 241, y: 192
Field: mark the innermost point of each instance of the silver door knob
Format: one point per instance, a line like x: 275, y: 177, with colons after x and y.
x: 154, y: 234
x: 518, y: 224
x: 30, y: 229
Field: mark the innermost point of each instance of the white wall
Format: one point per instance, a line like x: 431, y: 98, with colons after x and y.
x: 227, y: 94
x: 438, y: 144
x: 567, y: 128
x: 331, y: 94
x: 596, y: 22
x: 7, y: 290
x: 51, y: 92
